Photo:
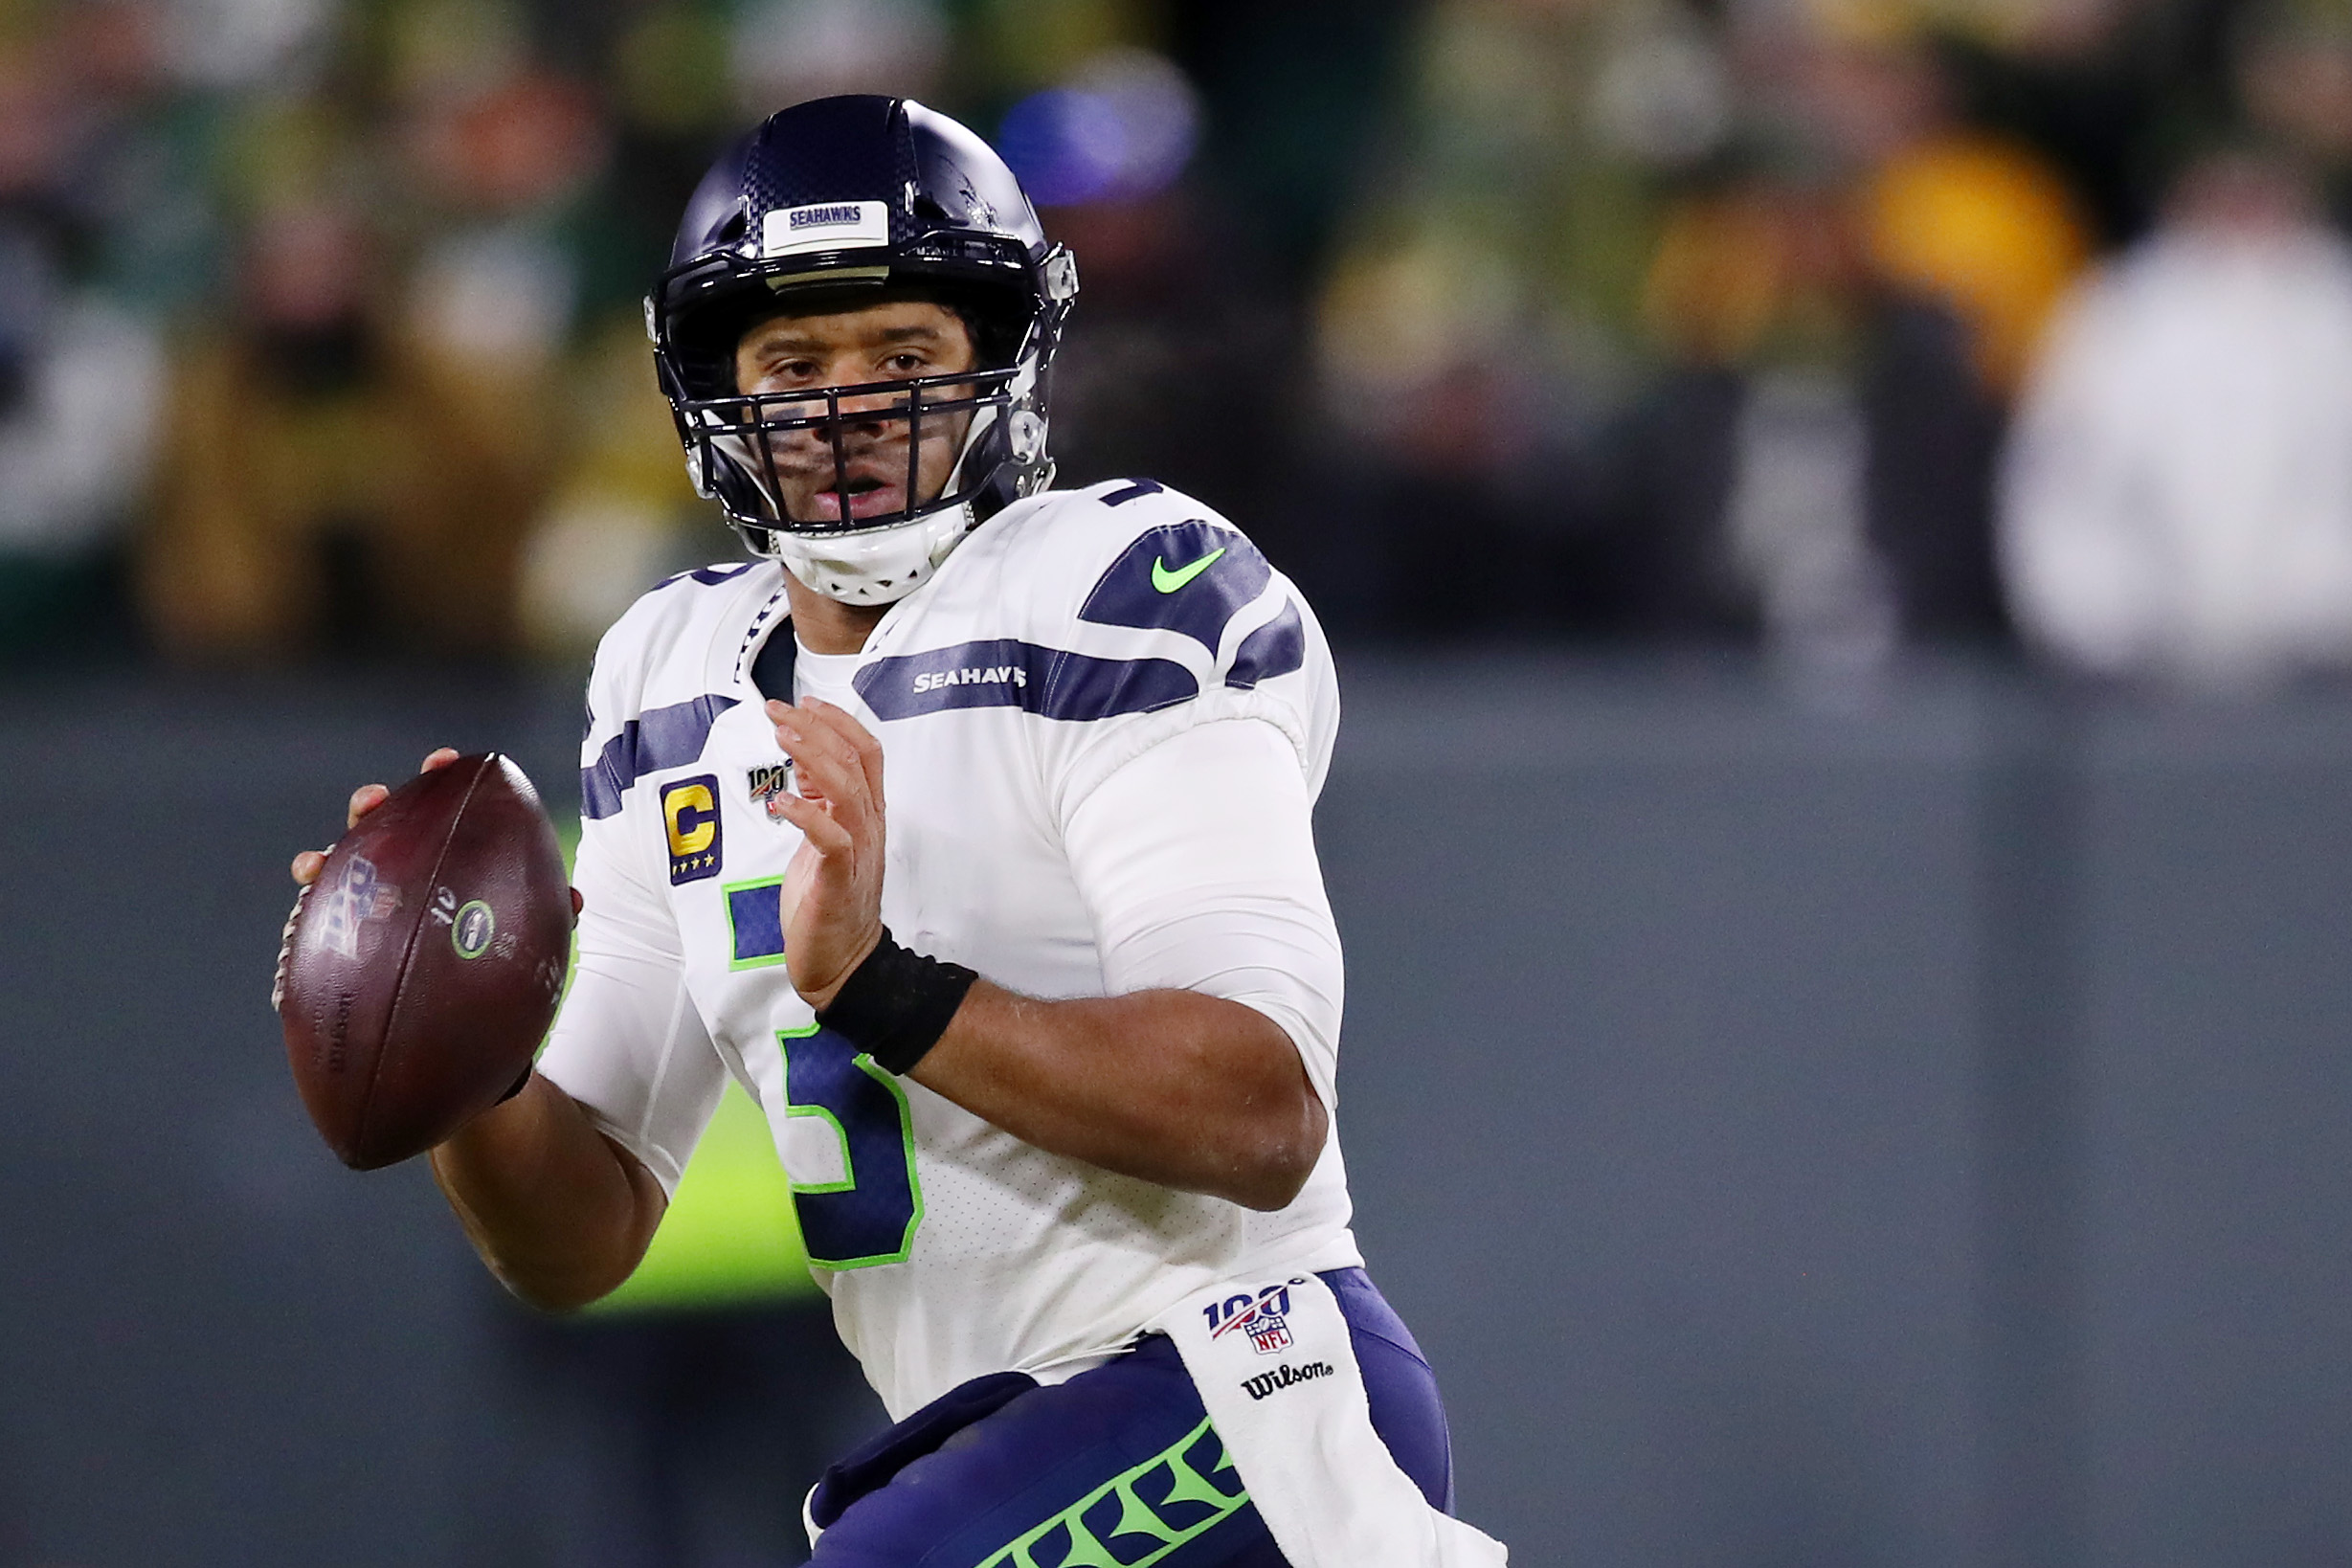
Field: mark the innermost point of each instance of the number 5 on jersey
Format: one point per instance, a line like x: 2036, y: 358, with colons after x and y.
x: 835, y: 1095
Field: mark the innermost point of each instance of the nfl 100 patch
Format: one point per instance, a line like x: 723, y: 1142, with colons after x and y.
x: 690, y: 822
x: 768, y: 784
x: 1263, y: 1317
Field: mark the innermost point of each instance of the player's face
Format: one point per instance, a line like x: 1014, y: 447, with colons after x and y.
x: 899, y: 339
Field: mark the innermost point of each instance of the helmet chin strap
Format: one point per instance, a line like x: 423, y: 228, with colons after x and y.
x: 880, y: 567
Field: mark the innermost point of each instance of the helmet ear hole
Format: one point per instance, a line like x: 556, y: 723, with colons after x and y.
x: 1027, y: 436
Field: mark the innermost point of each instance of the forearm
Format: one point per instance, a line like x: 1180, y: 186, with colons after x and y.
x: 559, y: 1211
x: 1177, y: 1087
x: 1168, y: 1084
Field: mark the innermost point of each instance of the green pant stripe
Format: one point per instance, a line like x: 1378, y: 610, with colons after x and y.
x: 1136, y: 1517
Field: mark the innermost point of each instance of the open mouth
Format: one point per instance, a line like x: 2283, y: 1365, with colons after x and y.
x: 868, y: 497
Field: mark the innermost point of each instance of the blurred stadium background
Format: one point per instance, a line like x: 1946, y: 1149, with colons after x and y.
x: 1838, y: 519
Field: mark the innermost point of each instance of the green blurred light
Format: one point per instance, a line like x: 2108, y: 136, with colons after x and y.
x: 730, y: 1236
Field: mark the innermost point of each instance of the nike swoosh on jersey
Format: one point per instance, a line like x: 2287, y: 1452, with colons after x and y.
x: 1232, y: 574
x: 1168, y: 582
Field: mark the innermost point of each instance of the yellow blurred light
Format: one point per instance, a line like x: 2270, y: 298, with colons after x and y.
x: 1986, y: 228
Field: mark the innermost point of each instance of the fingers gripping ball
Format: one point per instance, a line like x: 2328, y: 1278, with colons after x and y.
x: 422, y: 968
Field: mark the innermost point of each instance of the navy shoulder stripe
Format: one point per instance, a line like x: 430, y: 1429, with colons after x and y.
x: 1132, y: 490
x: 1005, y: 672
x: 710, y: 576
x: 662, y: 737
x: 1187, y: 577
x: 1276, y: 648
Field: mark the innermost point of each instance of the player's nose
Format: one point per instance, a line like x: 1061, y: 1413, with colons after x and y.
x: 867, y: 406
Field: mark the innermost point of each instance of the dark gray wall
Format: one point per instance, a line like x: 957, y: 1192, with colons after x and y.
x: 1899, y: 1128
x: 216, y: 1346
x: 2216, y: 1232
x: 1658, y: 1094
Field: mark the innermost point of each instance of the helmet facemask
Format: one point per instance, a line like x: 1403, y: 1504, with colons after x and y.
x: 831, y: 202
x: 788, y: 467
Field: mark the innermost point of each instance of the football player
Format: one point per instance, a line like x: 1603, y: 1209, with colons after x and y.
x: 966, y: 825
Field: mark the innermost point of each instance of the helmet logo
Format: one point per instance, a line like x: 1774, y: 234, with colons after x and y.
x: 827, y: 226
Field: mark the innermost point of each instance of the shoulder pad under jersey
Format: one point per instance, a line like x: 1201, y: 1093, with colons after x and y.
x: 665, y: 672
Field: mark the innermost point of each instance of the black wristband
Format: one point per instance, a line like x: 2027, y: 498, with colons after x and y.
x: 896, y: 1005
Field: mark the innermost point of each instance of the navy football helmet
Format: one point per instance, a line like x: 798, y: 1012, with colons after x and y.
x: 827, y: 204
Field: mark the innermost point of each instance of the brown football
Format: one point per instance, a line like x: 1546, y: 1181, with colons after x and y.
x: 421, y: 970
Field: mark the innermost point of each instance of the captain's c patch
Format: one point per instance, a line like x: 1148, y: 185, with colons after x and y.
x: 690, y: 821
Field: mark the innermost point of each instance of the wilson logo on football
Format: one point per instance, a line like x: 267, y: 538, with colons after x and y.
x: 1263, y: 1317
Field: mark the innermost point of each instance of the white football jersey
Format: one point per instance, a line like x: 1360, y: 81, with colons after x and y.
x: 1103, y: 723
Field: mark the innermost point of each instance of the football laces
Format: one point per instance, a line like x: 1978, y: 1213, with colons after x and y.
x: 286, y: 948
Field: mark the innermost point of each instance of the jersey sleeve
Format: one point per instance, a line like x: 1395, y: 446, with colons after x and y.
x: 1195, y: 859
x: 629, y: 1045
x: 1164, y: 616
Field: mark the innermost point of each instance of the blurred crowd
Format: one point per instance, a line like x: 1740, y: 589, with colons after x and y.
x: 1853, y: 325
x: 1832, y: 326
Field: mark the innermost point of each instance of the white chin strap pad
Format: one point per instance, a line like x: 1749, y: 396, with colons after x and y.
x: 880, y: 566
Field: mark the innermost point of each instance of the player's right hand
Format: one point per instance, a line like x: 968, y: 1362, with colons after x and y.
x: 833, y: 885
x: 310, y: 862
x: 366, y: 798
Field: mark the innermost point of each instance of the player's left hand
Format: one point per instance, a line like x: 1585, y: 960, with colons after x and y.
x: 832, y: 888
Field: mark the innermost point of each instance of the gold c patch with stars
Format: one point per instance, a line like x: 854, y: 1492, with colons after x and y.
x: 690, y: 821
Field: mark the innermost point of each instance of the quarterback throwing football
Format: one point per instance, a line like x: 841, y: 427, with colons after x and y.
x: 1045, y: 1021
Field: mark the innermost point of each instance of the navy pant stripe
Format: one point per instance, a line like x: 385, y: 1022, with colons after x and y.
x: 1116, y: 1461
